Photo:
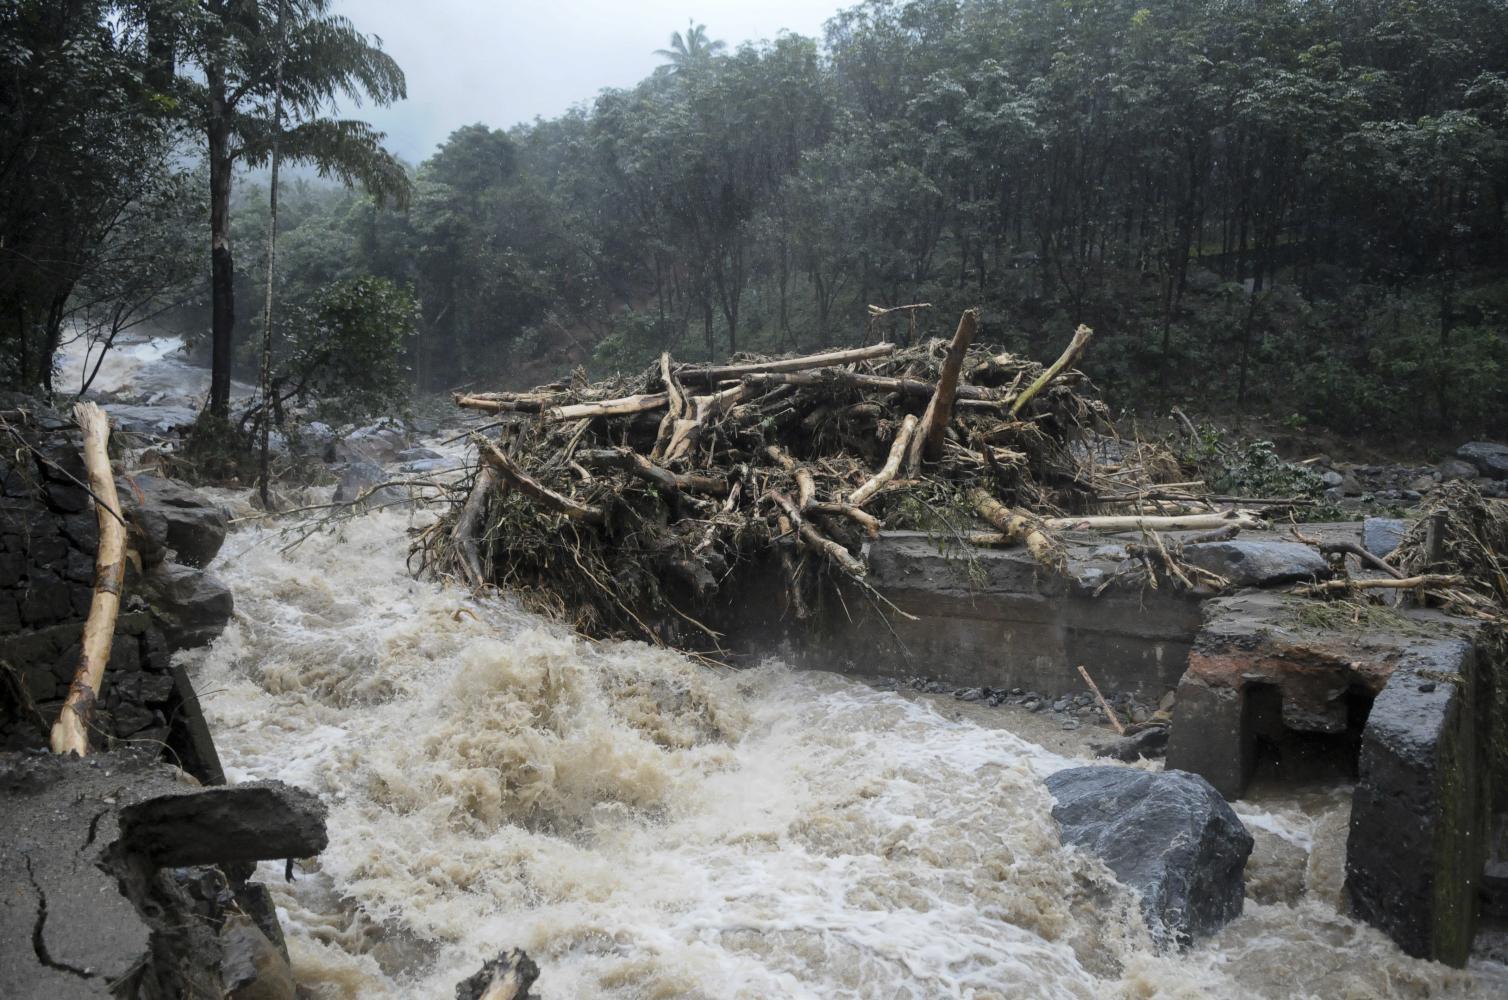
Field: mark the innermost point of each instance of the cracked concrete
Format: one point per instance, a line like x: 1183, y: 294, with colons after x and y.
x: 86, y: 910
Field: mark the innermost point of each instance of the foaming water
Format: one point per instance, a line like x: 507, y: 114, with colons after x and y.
x: 651, y: 827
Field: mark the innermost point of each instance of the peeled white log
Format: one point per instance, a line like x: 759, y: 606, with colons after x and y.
x: 70, y: 734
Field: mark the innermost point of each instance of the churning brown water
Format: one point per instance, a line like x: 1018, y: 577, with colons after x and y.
x: 650, y: 827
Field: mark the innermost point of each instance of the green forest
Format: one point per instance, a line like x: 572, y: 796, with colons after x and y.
x: 1289, y: 208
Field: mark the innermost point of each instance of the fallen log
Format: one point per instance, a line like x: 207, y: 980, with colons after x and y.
x: 672, y: 482
x: 502, y: 402
x: 724, y: 373
x: 1426, y: 581
x: 608, y: 407
x: 536, y: 490
x: 927, y: 445
x: 874, y: 383
x: 1018, y: 527
x: 1067, y: 359
x: 1104, y: 705
x: 468, y: 527
x: 892, y: 464
x: 815, y: 540
x: 70, y: 734
x: 1152, y: 522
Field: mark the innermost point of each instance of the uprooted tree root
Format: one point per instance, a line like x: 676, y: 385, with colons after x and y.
x: 627, y: 504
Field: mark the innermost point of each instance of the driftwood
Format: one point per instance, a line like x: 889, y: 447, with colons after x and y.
x: 1426, y: 581
x: 1174, y: 522
x: 725, y: 373
x: 608, y: 407
x: 1018, y: 527
x: 1104, y: 705
x: 892, y: 465
x: 1069, y: 357
x: 927, y: 445
x: 469, y: 526
x: 535, y: 490
x: 70, y: 734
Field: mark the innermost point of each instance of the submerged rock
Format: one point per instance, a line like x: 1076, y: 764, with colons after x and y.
x: 358, y: 478
x: 1169, y: 836
x: 506, y: 977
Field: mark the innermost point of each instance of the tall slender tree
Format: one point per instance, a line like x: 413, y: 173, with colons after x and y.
x: 230, y: 72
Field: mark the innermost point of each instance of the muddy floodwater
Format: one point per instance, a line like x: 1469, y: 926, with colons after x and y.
x: 647, y: 826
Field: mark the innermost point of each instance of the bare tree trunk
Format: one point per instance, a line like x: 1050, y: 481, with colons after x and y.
x: 222, y: 265
x: 264, y: 463
x: 70, y: 734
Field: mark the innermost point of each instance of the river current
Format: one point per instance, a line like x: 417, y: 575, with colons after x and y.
x: 650, y: 826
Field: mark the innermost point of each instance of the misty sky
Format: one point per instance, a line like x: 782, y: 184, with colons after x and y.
x: 505, y: 61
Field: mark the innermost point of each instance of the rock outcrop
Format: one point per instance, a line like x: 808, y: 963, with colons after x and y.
x: 1169, y: 836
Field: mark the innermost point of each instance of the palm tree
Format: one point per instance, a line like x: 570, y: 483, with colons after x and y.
x: 691, y: 49
x: 232, y: 87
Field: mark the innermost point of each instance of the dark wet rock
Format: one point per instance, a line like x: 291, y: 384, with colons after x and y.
x: 192, y: 605
x: 1490, y: 458
x: 173, y: 515
x: 1381, y: 535
x: 1258, y: 563
x: 251, y: 966
x: 510, y: 974
x: 1169, y: 836
x: 1149, y: 743
x: 153, y: 421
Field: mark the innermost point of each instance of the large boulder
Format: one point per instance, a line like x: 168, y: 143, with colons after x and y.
x: 173, y: 515
x: 376, y: 443
x: 1490, y: 458
x: 1169, y: 836
x: 192, y: 605
x: 1258, y: 564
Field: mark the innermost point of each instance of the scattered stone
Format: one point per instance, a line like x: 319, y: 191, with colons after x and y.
x: 1455, y: 468
x: 969, y: 694
x: 1258, y: 564
x: 1381, y: 535
x: 1169, y: 836
x: 1490, y: 458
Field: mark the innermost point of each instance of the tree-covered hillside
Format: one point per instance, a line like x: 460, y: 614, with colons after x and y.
x: 1293, y: 207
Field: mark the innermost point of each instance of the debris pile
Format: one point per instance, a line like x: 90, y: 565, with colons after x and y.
x: 626, y: 503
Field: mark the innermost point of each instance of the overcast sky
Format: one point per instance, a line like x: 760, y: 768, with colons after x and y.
x: 506, y: 61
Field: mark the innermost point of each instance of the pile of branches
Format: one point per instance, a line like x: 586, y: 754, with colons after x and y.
x: 627, y: 503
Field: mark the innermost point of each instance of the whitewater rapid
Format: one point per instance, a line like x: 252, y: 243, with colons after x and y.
x: 648, y: 826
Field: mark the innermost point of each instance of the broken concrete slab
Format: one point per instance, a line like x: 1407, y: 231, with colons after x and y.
x: 1264, y: 685
x: 1420, y: 816
x: 256, y: 821
x: 84, y: 915
x: 1169, y: 836
x: 1258, y: 563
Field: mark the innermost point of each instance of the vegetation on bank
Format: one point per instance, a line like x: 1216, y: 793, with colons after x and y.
x: 1295, y: 209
